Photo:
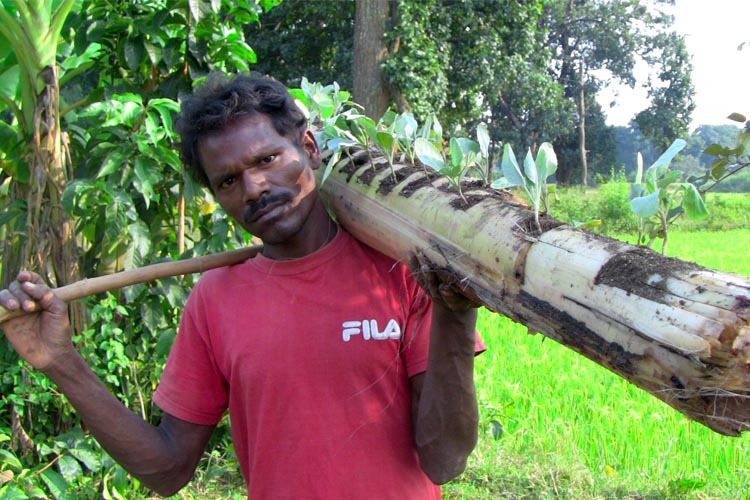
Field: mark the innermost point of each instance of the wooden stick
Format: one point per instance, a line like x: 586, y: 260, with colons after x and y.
x: 101, y: 284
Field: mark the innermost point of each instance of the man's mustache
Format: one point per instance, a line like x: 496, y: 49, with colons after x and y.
x: 263, y: 203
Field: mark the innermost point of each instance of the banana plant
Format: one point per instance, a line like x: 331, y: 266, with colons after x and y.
x: 30, y: 33
x: 395, y: 133
x: 32, y: 28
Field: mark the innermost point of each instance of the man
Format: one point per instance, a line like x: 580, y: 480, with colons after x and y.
x: 318, y: 347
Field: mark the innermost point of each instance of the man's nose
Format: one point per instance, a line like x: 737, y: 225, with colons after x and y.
x: 254, y: 185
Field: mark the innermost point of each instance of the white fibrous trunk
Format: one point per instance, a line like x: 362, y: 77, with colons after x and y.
x: 673, y: 328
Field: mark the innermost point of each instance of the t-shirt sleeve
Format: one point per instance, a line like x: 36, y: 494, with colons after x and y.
x: 416, y: 343
x: 193, y: 387
x: 416, y: 339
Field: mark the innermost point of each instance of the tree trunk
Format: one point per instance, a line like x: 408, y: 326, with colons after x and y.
x: 673, y: 328
x: 55, y: 227
x: 48, y: 244
x: 370, y: 88
x: 582, y: 129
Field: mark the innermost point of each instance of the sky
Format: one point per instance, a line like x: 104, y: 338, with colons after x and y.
x: 721, y: 74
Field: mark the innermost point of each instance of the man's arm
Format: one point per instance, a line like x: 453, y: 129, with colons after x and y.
x: 444, y: 401
x: 163, y: 457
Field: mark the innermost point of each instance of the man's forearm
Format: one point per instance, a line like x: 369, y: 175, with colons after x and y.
x: 142, y: 449
x: 448, y: 416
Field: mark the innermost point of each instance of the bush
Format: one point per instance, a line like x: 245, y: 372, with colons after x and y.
x: 738, y: 183
x: 727, y: 211
x: 608, y: 203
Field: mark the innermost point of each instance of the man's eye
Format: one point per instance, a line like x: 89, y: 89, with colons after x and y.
x: 268, y: 159
x: 227, y: 182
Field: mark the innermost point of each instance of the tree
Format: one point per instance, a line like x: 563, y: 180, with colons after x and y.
x: 601, y: 147
x: 326, y: 42
x: 529, y: 70
x: 300, y: 39
x: 668, y: 116
x: 478, y: 61
x: 603, y: 41
x: 370, y: 24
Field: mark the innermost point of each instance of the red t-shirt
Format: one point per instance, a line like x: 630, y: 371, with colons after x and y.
x: 312, y: 357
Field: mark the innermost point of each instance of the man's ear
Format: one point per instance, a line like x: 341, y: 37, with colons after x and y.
x: 310, y: 146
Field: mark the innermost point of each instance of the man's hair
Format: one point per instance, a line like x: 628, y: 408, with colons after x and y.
x: 224, y: 100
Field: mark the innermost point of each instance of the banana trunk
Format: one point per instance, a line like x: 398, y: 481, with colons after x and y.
x: 673, y: 328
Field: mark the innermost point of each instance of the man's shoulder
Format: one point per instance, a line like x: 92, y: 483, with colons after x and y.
x: 218, y: 277
x: 377, y: 263
x: 364, y: 251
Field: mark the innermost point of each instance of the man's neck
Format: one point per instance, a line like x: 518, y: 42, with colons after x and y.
x: 303, y: 244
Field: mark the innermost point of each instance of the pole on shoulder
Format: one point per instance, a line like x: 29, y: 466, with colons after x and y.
x: 101, y: 284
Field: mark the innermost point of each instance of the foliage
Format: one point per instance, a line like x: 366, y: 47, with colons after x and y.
x: 608, y: 203
x: 343, y: 127
x: 33, y: 162
x: 29, y: 35
x: 511, y: 65
x: 420, y: 56
x: 692, y: 160
x: 73, y: 467
x: 301, y: 39
x: 463, y: 155
x: 122, y: 66
x: 532, y: 178
x: 662, y: 195
x: 730, y: 160
x: 659, y: 196
x: 668, y: 115
x: 702, y: 137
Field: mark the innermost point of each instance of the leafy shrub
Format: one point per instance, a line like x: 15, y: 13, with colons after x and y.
x: 608, y: 203
x: 739, y: 183
x: 728, y: 211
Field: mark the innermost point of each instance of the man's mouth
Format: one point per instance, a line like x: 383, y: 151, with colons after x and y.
x: 260, y: 208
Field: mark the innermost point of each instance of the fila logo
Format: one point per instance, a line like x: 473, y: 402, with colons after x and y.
x: 369, y: 329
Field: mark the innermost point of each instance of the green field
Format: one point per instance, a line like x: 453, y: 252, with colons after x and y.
x: 573, y: 430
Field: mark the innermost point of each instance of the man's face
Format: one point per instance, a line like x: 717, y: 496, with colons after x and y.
x: 264, y: 180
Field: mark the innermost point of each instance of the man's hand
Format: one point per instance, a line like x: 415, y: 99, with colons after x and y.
x: 163, y: 458
x: 444, y: 403
x: 444, y: 289
x: 43, y: 335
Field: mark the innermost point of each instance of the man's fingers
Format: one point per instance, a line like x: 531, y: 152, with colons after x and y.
x: 19, y: 295
x: 24, y: 276
x: 426, y: 276
x: 8, y: 300
x: 15, y: 296
x: 42, y: 296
